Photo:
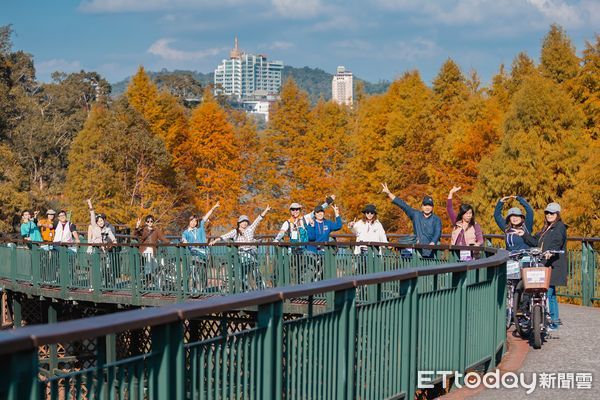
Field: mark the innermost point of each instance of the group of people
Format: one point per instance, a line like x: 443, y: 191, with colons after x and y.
x: 58, y: 229
x: 306, y: 231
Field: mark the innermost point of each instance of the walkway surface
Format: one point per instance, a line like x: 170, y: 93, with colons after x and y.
x: 574, y: 348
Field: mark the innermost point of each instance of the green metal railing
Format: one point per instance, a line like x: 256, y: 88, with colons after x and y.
x: 370, y: 336
x: 124, y: 275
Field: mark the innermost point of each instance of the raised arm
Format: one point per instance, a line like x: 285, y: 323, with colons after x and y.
x: 209, y: 212
x: 337, y: 225
x: 498, y: 214
x: 262, y: 215
x: 528, y: 212
x: 408, y: 210
x: 328, y: 201
x: 449, y: 207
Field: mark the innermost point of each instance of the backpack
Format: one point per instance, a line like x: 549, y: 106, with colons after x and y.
x: 302, y: 232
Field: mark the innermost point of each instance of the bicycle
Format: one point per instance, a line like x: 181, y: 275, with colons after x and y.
x: 513, y: 275
x: 531, y: 312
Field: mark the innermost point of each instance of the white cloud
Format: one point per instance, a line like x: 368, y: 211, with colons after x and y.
x: 298, y: 9
x: 496, y: 12
x: 163, y: 49
x: 119, y: 6
x: 559, y: 11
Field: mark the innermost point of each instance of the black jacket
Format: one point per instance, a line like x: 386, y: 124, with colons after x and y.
x: 555, y: 238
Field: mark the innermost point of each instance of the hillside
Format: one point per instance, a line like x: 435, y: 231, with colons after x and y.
x: 315, y: 81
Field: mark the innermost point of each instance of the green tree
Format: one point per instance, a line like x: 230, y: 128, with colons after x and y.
x: 586, y: 87
x: 118, y: 162
x: 540, y: 152
x: 522, y: 67
x: 559, y: 60
x: 13, y: 188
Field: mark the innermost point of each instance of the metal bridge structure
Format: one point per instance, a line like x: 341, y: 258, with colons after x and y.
x: 196, y: 322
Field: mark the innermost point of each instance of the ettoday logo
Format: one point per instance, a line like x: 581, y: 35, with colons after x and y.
x: 508, y: 380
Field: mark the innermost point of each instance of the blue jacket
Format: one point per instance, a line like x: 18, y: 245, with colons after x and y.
x: 196, y: 235
x: 512, y: 240
x: 30, y: 230
x: 426, y: 229
x: 320, y: 231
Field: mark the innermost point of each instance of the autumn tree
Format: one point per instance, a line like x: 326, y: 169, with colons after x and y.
x: 540, y: 151
x: 558, y: 60
x: 317, y: 166
x: 210, y: 158
x: 118, y: 162
x: 586, y: 87
x: 521, y: 68
x: 284, y: 137
x: 13, y: 189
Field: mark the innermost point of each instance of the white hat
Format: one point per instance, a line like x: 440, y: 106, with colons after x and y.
x: 295, y: 205
x: 553, y: 208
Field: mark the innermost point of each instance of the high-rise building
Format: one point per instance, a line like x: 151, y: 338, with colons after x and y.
x: 342, y: 87
x: 247, y: 75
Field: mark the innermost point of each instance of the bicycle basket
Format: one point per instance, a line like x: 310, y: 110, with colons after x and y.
x: 537, y: 278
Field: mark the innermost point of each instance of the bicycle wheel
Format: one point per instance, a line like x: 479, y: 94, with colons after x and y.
x: 537, y: 326
x: 521, y: 314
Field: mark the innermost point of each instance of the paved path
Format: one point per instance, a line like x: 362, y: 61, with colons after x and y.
x: 574, y: 348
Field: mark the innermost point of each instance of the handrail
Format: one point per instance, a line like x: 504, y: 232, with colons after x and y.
x: 31, y: 337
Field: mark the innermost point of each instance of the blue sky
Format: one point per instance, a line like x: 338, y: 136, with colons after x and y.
x: 376, y: 39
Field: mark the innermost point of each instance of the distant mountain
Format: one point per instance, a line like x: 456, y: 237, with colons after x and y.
x: 315, y: 81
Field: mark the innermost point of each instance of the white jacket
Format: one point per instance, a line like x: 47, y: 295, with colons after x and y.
x: 368, y: 232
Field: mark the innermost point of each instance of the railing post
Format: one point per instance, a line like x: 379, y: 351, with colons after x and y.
x: 270, y: 318
x: 329, y: 272
x: 345, y: 305
x: 169, y: 362
x: 412, y: 313
x: 96, y: 272
x: 496, y: 286
x: 234, y: 271
x: 13, y: 263
x: 63, y: 265
x: 588, y: 269
x: 282, y: 267
x: 35, y: 265
x: 460, y: 282
x: 183, y: 272
x: 134, y: 274
x: 21, y: 377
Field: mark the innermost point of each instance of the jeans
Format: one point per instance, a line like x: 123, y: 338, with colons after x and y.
x: 553, y: 306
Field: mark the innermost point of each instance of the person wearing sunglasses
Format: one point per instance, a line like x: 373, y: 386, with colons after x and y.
x: 148, y: 236
x: 553, y: 236
x: 295, y: 226
x: 367, y: 229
